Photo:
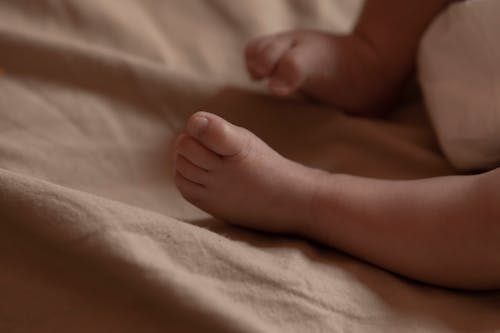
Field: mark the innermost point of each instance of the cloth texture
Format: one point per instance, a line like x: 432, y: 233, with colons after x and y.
x: 94, y: 237
x: 460, y: 76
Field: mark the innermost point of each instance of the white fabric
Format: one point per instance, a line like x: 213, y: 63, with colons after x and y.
x: 460, y: 74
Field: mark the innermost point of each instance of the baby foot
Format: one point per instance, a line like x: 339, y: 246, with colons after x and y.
x: 345, y: 71
x: 230, y: 173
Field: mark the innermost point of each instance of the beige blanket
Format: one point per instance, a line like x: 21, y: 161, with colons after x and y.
x: 94, y: 236
x: 460, y: 76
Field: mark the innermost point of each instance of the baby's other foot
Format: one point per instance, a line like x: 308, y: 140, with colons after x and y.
x: 344, y: 71
x: 230, y: 173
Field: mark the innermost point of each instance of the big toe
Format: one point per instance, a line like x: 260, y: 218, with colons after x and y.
x: 290, y: 74
x: 263, y: 54
x: 217, y: 134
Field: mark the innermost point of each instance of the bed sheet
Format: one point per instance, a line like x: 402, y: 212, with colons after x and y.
x: 94, y: 236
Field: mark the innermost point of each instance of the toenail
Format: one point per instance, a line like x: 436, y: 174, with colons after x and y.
x: 198, y: 125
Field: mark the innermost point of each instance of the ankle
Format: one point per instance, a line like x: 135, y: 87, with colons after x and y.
x: 308, y: 226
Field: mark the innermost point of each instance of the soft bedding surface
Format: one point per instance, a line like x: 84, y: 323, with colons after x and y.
x: 460, y: 76
x: 95, y: 238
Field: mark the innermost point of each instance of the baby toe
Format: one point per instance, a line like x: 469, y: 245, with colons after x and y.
x: 196, y: 153
x: 218, y: 135
x: 289, y: 74
x: 190, y: 171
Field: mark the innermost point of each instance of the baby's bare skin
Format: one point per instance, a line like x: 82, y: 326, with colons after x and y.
x: 361, y: 72
x: 232, y: 174
x: 443, y: 230
x: 344, y: 71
